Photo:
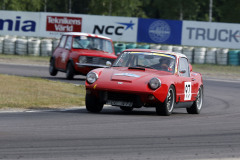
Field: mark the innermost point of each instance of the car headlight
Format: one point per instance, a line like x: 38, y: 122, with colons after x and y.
x: 82, y: 59
x: 91, y: 77
x: 154, y: 83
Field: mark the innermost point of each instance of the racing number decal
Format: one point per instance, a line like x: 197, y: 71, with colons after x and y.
x: 187, y: 91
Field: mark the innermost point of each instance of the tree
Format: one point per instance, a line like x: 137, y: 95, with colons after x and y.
x: 128, y: 8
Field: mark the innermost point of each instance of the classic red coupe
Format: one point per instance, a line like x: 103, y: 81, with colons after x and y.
x: 146, y: 78
x: 78, y: 53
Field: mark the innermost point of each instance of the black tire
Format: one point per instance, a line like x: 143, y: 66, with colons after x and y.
x: 70, y: 71
x: 92, y: 104
x: 197, y: 105
x: 166, y: 108
x: 52, y: 69
x: 127, y: 109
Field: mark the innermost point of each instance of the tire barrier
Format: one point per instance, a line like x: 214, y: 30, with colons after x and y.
x: 167, y: 48
x: 233, y: 57
x: 222, y: 56
x: 155, y: 46
x: 178, y: 49
x: 21, y: 46
x: 55, y: 43
x: 188, y: 51
x: 46, y: 47
x: 211, y: 56
x: 9, y: 45
x: 119, y: 47
x: 199, y: 55
x: 143, y: 46
x: 34, y: 47
x: 131, y: 45
x: 1, y: 44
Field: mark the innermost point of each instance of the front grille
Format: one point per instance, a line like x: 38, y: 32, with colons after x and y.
x: 98, y: 60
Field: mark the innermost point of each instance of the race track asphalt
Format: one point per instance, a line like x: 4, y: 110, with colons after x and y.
x: 117, y: 135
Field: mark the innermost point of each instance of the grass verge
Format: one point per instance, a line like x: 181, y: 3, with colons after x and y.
x: 218, y: 71
x: 36, y: 93
x: 24, y: 59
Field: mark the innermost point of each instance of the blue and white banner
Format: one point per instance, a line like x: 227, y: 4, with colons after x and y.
x: 211, y: 34
x: 159, y: 31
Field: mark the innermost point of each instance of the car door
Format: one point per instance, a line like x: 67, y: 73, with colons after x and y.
x: 185, y: 81
x: 58, y: 52
x: 65, y: 53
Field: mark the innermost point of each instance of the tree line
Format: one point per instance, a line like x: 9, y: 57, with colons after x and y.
x: 197, y: 10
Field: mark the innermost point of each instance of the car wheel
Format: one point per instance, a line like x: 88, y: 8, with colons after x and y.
x: 70, y: 71
x: 127, y: 109
x: 167, y: 106
x: 93, y: 104
x: 52, y: 69
x: 197, y: 105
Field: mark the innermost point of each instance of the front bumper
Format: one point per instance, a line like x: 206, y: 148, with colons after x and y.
x: 91, y: 65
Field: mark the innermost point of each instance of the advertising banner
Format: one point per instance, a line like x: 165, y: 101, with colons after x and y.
x: 19, y: 23
x: 55, y: 24
x: 117, y: 28
x: 210, y: 34
x: 159, y: 31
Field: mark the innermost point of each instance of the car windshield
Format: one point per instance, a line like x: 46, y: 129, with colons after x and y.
x: 158, y: 61
x: 92, y: 43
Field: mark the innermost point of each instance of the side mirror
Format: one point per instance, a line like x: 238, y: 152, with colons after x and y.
x: 190, y: 67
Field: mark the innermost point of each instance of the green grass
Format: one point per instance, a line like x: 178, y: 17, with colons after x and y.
x: 35, y: 93
x: 229, y: 72
x: 24, y: 59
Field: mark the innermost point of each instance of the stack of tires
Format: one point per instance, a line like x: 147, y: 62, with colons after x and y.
x: 21, y: 46
x: 119, y: 47
x: 34, y: 47
x: 222, y: 56
x: 46, y: 47
x: 199, y: 55
x: 178, y: 49
x: 9, y: 45
x: 211, y: 56
x: 131, y: 45
x: 1, y: 44
x: 233, y: 57
x: 155, y: 46
x: 55, y: 43
x: 143, y: 46
x: 167, y: 48
x: 188, y: 51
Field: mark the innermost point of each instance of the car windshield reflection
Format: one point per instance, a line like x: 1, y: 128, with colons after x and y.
x: 92, y: 43
x: 157, y: 61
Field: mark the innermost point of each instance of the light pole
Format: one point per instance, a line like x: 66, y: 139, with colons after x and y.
x: 70, y: 6
x: 210, y: 10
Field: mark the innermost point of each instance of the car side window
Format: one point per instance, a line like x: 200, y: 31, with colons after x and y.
x: 69, y: 42
x: 62, y: 42
x: 184, y: 67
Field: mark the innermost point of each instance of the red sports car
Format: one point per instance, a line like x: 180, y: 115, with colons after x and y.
x: 78, y: 53
x: 146, y: 78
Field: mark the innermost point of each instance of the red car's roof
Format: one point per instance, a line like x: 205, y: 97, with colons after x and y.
x: 85, y: 34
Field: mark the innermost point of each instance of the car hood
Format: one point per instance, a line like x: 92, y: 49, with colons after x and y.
x: 130, y: 75
x: 95, y: 53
